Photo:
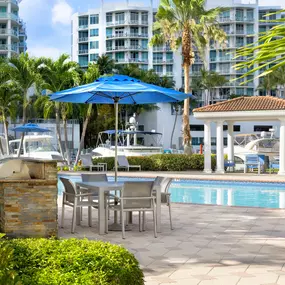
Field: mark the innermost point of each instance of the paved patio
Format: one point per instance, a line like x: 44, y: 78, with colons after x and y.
x: 209, y: 245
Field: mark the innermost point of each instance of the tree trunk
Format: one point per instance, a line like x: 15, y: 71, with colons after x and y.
x: 187, y: 59
x: 85, y: 124
x: 6, y: 135
x: 58, y: 133
x: 174, y: 125
x: 23, y: 121
x: 66, y: 141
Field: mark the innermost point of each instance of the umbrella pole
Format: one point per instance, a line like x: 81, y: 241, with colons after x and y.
x: 116, y: 139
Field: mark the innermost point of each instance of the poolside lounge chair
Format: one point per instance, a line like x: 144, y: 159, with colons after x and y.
x: 164, y: 183
x: 252, y: 161
x: 273, y: 164
x: 123, y: 163
x: 135, y: 196
x: 86, y: 162
x: 230, y: 164
x: 73, y: 198
x: 61, y: 162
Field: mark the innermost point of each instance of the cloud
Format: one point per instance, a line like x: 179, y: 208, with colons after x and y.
x: 38, y: 51
x: 61, y: 13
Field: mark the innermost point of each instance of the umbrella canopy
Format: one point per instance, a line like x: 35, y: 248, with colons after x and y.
x: 119, y: 89
x: 30, y: 128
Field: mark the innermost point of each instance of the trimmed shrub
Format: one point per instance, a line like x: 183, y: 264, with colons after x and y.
x: 71, y: 261
x: 163, y: 162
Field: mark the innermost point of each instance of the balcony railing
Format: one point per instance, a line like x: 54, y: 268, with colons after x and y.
x: 83, y: 51
x: 169, y: 73
x: 169, y: 60
x: 83, y: 27
x: 8, y: 32
x: 145, y: 23
x: 240, y: 32
x: 9, y: 16
x: 5, y: 47
x: 161, y: 48
x: 83, y: 63
x: 134, y: 22
x: 83, y: 39
x: 158, y: 61
x: 125, y: 35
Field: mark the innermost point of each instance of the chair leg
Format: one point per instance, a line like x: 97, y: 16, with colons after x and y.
x: 74, y: 216
x: 154, y: 221
x: 107, y: 211
x: 62, y: 215
x: 143, y: 223
x: 170, y: 217
x: 123, y: 225
x: 140, y: 222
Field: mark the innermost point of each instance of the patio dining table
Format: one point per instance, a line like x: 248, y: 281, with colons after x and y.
x: 102, y: 188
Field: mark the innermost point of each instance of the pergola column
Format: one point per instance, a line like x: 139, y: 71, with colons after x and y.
x: 230, y: 140
x: 282, y: 148
x: 220, y: 148
x: 207, y: 147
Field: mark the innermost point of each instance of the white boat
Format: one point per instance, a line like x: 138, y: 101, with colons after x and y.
x: 35, y: 146
x: 127, y: 143
x: 263, y: 144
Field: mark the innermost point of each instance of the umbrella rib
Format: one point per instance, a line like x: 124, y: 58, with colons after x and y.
x: 100, y: 94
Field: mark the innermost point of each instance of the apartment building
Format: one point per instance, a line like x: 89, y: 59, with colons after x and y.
x: 12, y: 29
x: 122, y: 31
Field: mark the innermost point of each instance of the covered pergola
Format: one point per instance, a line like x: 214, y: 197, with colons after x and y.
x: 255, y: 108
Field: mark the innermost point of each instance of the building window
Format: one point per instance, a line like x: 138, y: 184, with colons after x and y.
x: 120, y: 18
x: 83, y: 21
x: 94, y: 32
x: 239, y: 15
x: 249, y: 15
x: 144, y: 56
x: 109, y: 18
x: 109, y: 32
x: 197, y: 128
x: 249, y: 40
x: 236, y: 128
x: 225, y: 141
x: 144, y: 17
x: 158, y: 68
x: 109, y: 45
x: 94, y: 45
x: 213, y: 66
x: 262, y: 128
x: 144, y: 31
x: 262, y: 15
x: 169, y: 68
x: 197, y: 141
x: 249, y: 29
x: 272, y: 17
x: 94, y: 19
x: 120, y: 56
x: 119, y: 32
x: 94, y: 56
x: 158, y: 57
x: 134, y: 16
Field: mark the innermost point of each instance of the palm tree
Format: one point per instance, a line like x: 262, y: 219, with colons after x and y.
x: 24, y: 71
x: 280, y: 79
x: 105, y: 64
x: 207, y: 81
x: 91, y: 75
x: 57, y: 75
x: 186, y: 23
x: 267, y: 83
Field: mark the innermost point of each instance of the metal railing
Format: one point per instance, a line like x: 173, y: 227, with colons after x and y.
x: 83, y: 51
x: 81, y: 27
x: 83, y: 39
x: 8, y: 32
x: 157, y: 61
x: 161, y: 48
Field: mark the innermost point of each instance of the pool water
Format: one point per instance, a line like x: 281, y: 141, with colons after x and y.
x: 247, y: 194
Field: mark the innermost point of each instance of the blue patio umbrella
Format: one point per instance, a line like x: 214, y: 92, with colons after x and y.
x: 30, y: 128
x: 119, y: 89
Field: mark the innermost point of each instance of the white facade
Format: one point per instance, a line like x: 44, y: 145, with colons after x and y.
x: 12, y: 29
x: 122, y: 31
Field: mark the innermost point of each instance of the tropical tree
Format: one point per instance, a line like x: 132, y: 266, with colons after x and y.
x: 90, y: 75
x: 57, y: 75
x: 24, y: 71
x: 186, y: 24
x: 267, y: 54
x: 279, y: 75
x: 208, y: 81
x: 267, y: 83
x: 105, y: 64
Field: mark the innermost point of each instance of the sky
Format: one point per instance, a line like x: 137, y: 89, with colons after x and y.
x: 49, y: 22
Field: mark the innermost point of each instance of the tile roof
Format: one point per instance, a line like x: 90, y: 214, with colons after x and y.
x: 254, y: 103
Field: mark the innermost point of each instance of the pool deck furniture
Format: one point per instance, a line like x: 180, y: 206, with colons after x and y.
x: 135, y: 197
x: 86, y: 162
x: 230, y: 164
x: 124, y: 163
x: 61, y: 162
x: 252, y: 161
x: 104, y: 187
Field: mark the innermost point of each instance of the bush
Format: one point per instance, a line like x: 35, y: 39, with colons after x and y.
x: 163, y: 162
x: 72, y: 261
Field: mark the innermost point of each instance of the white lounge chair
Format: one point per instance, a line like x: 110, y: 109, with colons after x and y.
x: 135, y: 196
x: 123, y: 163
x: 86, y: 162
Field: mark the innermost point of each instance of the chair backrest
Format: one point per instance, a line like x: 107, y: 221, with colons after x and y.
x: 56, y: 157
x: 69, y: 189
x: 252, y: 158
x: 163, y: 182
x: 94, y: 177
x: 86, y: 159
x: 123, y: 161
x: 136, y: 190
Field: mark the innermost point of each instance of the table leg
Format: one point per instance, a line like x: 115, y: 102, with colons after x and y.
x: 90, y: 212
x: 101, y: 213
x: 158, y: 209
x: 78, y: 216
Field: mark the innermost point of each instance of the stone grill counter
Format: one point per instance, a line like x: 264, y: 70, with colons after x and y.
x: 28, y: 207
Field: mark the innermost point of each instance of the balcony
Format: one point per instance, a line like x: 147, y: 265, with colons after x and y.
x: 83, y: 63
x: 161, y: 49
x: 83, y: 51
x: 134, y: 22
x: 240, y: 32
x: 5, y: 47
x: 145, y: 23
x: 225, y: 58
x: 225, y: 20
x: 8, y: 32
x: 158, y: 61
x: 169, y: 61
x: 240, y: 19
x: 137, y: 35
x: 83, y: 27
x: 121, y: 60
x: 83, y: 39
x: 9, y: 16
x: 23, y: 45
x: 169, y: 73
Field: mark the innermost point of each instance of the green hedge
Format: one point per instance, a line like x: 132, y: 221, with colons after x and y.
x: 70, y: 261
x: 163, y: 162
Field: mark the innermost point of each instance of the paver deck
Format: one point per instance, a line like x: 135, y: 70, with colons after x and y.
x: 209, y: 245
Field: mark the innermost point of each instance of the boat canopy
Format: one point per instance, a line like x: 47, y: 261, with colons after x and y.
x: 122, y: 132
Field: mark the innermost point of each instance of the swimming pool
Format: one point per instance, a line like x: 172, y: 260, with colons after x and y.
x: 247, y: 194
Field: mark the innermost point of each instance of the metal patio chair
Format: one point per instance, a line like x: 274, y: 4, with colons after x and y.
x: 86, y: 162
x: 135, y: 197
x: 124, y: 163
x: 75, y: 200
